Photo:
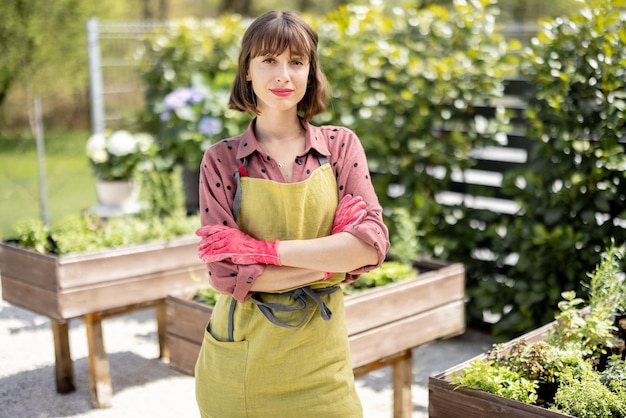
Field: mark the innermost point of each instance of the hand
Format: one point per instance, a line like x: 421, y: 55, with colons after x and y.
x: 221, y: 242
x: 350, y: 212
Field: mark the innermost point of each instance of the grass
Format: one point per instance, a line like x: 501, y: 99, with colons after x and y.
x: 70, y: 180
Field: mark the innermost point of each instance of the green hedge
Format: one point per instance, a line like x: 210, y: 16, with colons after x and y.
x: 573, y: 194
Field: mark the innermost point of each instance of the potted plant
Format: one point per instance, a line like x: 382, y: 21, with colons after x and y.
x: 116, y: 157
x: 573, y: 366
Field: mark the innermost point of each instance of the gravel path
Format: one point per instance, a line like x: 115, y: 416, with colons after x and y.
x: 146, y: 386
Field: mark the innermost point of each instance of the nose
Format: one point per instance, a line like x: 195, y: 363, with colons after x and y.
x: 282, y: 72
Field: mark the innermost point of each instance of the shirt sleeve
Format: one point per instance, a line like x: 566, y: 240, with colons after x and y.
x: 353, y: 177
x: 216, y: 195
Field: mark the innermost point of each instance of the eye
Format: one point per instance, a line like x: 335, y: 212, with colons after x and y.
x: 297, y: 62
x: 268, y: 60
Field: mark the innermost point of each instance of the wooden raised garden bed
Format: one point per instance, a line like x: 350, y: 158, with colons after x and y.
x: 95, y: 285
x: 446, y: 400
x: 384, y: 324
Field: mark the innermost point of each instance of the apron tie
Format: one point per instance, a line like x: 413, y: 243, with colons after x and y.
x: 301, y: 295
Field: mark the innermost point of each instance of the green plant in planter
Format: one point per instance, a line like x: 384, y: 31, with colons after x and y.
x: 207, y: 295
x: 88, y: 232
x: 388, y: 272
x: 492, y: 377
x: 569, y: 371
x: 582, y: 394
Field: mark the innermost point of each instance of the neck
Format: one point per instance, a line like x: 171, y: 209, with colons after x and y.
x: 268, y: 130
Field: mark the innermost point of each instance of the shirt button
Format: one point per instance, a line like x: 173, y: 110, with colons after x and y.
x: 250, y: 279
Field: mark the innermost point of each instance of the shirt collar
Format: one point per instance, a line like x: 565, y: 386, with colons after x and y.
x: 313, y: 140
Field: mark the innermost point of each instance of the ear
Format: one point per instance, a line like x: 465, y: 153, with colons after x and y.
x: 248, y: 78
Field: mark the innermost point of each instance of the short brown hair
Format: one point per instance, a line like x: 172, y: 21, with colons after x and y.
x: 271, y: 34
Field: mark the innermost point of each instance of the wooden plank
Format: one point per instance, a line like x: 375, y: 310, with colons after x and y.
x: 395, y: 301
x: 133, y: 290
x: 447, y: 401
x: 441, y: 322
x: 186, y: 318
x: 99, y: 375
x: 161, y: 320
x: 378, y: 364
x: 41, y: 268
x: 518, y: 87
x: 75, y: 270
x: 63, y: 366
x: 119, y: 263
x: 517, y: 140
x: 401, y: 381
x: 183, y: 354
x: 29, y: 296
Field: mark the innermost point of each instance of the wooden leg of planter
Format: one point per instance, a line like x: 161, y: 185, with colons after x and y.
x: 402, y: 378
x: 64, y: 368
x: 99, y: 375
x: 164, y: 349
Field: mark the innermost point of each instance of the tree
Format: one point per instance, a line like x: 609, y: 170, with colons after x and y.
x: 35, y: 35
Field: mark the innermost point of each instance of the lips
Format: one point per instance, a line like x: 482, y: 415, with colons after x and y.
x: 281, y: 92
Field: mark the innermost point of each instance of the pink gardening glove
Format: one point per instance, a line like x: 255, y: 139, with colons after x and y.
x: 350, y: 211
x: 221, y: 242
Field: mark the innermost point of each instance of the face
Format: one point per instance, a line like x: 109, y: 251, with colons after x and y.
x: 279, y: 82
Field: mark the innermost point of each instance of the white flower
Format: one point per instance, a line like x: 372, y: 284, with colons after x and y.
x: 96, y: 148
x: 121, y: 143
x: 144, y: 142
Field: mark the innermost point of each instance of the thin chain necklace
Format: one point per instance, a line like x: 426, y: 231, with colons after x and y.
x: 280, y: 165
x: 264, y: 147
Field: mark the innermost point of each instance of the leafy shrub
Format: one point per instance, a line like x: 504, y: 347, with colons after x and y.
x: 403, y: 80
x: 573, y: 193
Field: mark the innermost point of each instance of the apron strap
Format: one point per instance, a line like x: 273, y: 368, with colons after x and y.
x: 237, y: 200
x: 301, y: 295
x: 231, y: 325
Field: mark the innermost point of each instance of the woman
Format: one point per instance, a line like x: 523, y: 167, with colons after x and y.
x: 283, y: 206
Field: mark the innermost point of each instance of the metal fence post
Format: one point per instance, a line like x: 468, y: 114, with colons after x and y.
x: 95, y: 77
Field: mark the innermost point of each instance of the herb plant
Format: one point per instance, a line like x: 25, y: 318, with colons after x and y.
x: 579, y: 369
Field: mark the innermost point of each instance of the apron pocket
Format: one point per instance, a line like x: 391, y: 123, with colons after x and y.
x: 220, y: 375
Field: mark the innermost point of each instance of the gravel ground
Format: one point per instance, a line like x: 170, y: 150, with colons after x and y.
x: 146, y: 386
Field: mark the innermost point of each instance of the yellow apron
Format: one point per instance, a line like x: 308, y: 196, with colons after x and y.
x: 281, y: 354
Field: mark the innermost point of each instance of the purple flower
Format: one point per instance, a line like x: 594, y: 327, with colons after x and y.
x: 165, y: 116
x: 209, y: 125
x: 182, y: 96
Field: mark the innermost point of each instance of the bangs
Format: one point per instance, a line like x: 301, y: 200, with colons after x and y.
x: 280, y: 35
